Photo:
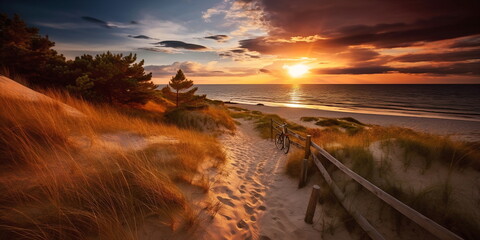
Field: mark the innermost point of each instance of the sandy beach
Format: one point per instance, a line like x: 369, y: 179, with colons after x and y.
x: 457, y: 129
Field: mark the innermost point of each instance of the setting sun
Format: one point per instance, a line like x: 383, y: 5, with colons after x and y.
x: 296, y: 70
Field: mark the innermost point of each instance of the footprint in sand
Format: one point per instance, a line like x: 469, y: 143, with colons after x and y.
x: 226, y: 201
x: 263, y: 208
x: 248, y: 209
x: 253, y: 218
x: 242, y: 224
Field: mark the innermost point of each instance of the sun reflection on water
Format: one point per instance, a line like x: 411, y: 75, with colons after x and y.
x: 295, y: 95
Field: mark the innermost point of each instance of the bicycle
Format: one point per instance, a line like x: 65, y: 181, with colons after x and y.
x: 282, y: 141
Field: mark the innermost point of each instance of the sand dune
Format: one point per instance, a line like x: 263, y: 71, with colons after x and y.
x: 16, y: 90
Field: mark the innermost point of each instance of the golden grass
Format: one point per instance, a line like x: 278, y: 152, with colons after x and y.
x: 262, y: 121
x: 294, y: 163
x: 57, y: 182
x: 429, y: 147
x: 213, y: 118
x: 436, y: 201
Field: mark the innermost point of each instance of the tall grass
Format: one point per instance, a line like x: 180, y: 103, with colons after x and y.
x: 262, y: 121
x: 209, y: 119
x: 437, y: 201
x: 432, y: 148
x: 55, y: 187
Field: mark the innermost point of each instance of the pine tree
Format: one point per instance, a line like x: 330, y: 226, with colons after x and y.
x: 24, y: 51
x: 112, y: 78
x: 180, y: 94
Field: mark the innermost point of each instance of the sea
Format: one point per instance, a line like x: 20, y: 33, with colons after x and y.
x: 445, y: 101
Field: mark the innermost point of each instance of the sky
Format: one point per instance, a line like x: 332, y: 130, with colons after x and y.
x: 272, y: 41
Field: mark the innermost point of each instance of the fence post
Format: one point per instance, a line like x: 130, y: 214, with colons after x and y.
x: 312, y: 204
x: 308, y: 142
x: 303, y: 173
x: 271, y: 129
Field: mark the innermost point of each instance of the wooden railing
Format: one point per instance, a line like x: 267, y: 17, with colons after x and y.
x: 424, y: 222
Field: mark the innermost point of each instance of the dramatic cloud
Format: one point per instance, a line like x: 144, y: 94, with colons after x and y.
x: 106, y: 24
x: 218, y: 38
x: 454, y: 69
x: 181, y: 45
x: 354, y: 70
x: 198, y: 69
x: 238, y: 50
x: 310, y: 17
x: 97, y: 21
x: 161, y: 50
x: 141, y: 37
x: 359, y: 54
x: 239, y: 54
x: 246, y: 17
x: 466, y: 43
x: 440, y: 57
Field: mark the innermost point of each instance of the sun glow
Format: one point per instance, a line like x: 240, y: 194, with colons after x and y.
x: 296, y: 70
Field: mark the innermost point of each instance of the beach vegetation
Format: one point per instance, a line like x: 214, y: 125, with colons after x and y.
x: 23, y: 51
x: 95, y: 171
x: 179, y: 90
x: 309, y: 119
x: 262, y: 121
x: 208, y: 119
x: 111, y: 78
x: 106, y: 77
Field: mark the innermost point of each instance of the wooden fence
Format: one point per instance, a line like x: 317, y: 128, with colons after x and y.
x: 424, y: 222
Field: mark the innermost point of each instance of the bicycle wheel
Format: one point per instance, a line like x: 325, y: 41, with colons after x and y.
x: 286, y: 145
x: 279, y: 141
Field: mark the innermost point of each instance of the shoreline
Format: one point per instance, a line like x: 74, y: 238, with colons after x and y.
x: 463, y: 130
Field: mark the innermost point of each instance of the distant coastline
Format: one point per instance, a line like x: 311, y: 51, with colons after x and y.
x: 454, y: 102
x: 464, y: 129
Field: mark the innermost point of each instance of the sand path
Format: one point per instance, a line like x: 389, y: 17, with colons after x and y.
x: 258, y: 200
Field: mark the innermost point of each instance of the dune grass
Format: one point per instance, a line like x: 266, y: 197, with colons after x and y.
x: 437, y: 201
x: 58, y: 181
x: 262, y: 121
x: 209, y: 119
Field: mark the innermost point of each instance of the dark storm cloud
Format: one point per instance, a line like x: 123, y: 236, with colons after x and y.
x: 409, y: 35
x: 453, y: 69
x: 434, y: 29
x: 97, y: 21
x: 309, y: 17
x: 440, y: 57
x: 382, y: 24
x: 218, y: 38
x: 141, y: 37
x: 181, y: 45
